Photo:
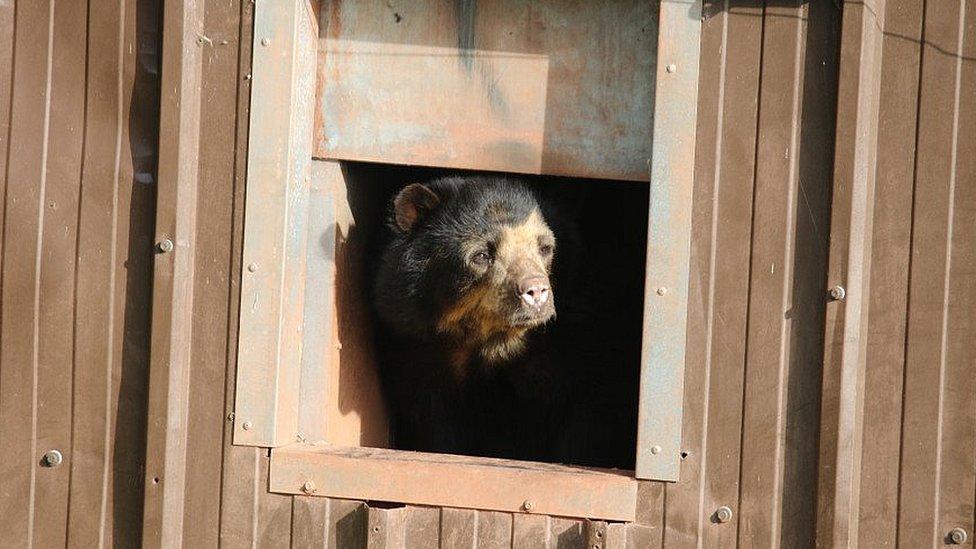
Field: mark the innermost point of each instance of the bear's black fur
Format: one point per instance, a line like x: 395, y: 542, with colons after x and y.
x: 468, y: 367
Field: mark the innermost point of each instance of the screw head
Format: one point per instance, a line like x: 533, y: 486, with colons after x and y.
x: 52, y: 458
x: 662, y: 290
x: 655, y: 449
x: 838, y: 293
x: 723, y: 514
x: 265, y: 42
x: 165, y: 245
x: 308, y: 487
x: 527, y: 506
x: 252, y: 267
x: 958, y: 536
x: 671, y: 67
x: 246, y: 425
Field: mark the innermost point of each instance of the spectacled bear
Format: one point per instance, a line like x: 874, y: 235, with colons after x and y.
x: 486, y: 346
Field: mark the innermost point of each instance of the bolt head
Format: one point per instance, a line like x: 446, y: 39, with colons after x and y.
x: 52, y: 458
x: 165, y: 245
x: 246, y: 425
x: 252, y: 267
x: 655, y: 449
x: 838, y: 293
x: 662, y: 290
x: 958, y: 536
x: 671, y: 67
x: 308, y: 487
x: 723, y: 514
x: 265, y: 42
x: 527, y: 506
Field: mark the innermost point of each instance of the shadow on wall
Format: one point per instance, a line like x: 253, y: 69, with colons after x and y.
x: 129, y: 442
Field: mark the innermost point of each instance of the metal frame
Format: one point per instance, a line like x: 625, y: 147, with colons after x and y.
x: 268, y: 407
x: 273, y: 280
x: 669, y: 242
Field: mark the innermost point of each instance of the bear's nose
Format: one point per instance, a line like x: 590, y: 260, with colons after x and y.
x: 534, y: 291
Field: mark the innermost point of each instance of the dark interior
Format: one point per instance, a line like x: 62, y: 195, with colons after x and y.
x: 611, y: 218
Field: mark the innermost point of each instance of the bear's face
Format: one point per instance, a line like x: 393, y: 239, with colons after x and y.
x: 474, y: 258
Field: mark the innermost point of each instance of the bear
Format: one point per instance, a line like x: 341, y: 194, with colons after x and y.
x: 482, y: 331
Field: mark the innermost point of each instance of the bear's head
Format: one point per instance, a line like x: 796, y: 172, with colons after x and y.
x: 470, y: 260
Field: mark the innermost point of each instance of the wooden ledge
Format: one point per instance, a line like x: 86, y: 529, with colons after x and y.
x: 453, y: 481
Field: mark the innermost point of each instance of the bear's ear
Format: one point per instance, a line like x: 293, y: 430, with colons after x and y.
x: 411, y: 204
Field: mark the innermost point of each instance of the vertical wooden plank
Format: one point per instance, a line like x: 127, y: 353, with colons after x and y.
x: 888, y: 307
x: 58, y: 216
x: 384, y: 528
x: 531, y: 532
x: 459, y: 528
x: 725, y: 156
x: 957, y: 483
x: 216, y: 258
x: 173, y: 276
x: 937, y: 436
x: 771, y: 276
x: 849, y: 266
x: 23, y: 226
x: 669, y: 242
x: 595, y: 534
x: 347, y: 524
x: 494, y: 530
x: 651, y: 497
x: 275, y: 233
x: 566, y: 532
x: 273, y: 514
x: 421, y: 527
x: 310, y: 522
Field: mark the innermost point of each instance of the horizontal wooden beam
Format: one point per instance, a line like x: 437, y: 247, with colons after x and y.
x: 453, y: 481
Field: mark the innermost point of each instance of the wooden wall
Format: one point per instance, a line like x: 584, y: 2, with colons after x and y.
x: 78, y: 129
x: 821, y: 146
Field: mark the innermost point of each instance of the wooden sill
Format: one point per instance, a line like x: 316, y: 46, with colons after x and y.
x: 453, y: 481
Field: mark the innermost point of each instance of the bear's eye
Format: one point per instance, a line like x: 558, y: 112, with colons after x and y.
x: 481, y: 258
x: 545, y: 250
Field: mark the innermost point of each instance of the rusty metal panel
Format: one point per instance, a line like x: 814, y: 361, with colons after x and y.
x: 275, y: 232
x: 509, y: 85
x: 455, y: 481
x: 669, y: 241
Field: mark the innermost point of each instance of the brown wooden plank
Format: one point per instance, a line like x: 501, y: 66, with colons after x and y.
x: 565, y: 532
x: 595, y: 534
x: 441, y: 479
x: 728, y: 98
x: 421, y: 527
x: 459, y: 528
x: 494, y: 530
x: 347, y: 524
x: 957, y: 482
x: 935, y: 383
x: 23, y: 225
x: 217, y: 259
x: 59, y: 219
x: 384, y: 528
x: 531, y: 531
x: 885, y: 360
x: 771, y: 277
x: 516, y: 88
x: 651, y: 496
x: 849, y: 266
x: 173, y: 277
x: 309, y: 522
